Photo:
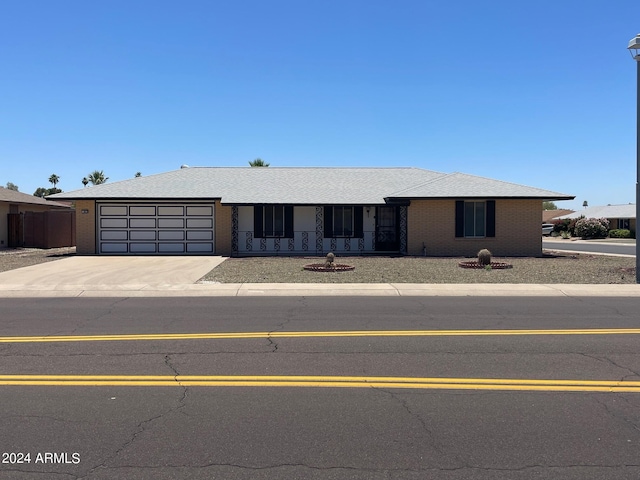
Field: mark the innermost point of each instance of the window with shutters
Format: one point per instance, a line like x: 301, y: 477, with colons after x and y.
x: 273, y: 221
x: 475, y: 219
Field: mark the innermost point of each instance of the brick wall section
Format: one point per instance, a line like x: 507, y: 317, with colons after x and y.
x: 223, y: 229
x: 518, y: 231
x: 86, y: 227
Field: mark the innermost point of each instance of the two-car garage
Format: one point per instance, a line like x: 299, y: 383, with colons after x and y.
x: 155, y: 228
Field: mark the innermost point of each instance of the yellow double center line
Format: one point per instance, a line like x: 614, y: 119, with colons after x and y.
x: 346, y: 333
x: 321, y: 381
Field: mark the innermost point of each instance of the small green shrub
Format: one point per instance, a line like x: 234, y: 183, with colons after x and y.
x: 592, y: 227
x: 565, y: 234
x: 620, y: 233
x: 484, y: 257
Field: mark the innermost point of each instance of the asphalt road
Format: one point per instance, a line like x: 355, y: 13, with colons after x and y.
x: 444, y: 388
x: 591, y: 246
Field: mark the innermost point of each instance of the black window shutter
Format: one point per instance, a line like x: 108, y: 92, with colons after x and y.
x: 459, y: 218
x: 357, y: 223
x: 328, y: 222
x: 491, y: 218
x: 257, y: 221
x: 288, y: 221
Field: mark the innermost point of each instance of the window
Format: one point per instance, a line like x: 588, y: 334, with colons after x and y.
x: 343, y: 221
x: 475, y: 219
x: 273, y: 221
x: 623, y: 223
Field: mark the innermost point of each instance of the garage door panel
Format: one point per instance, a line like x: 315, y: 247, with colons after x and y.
x: 199, y: 235
x: 113, y: 210
x: 113, y: 247
x: 171, y: 247
x: 200, y: 247
x: 199, y: 223
x: 171, y: 223
x: 199, y: 211
x: 142, y: 223
x: 144, y: 228
x: 113, y: 223
x: 142, y: 235
x: 171, y: 235
x: 113, y: 235
x: 142, y: 248
x: 171, y: 211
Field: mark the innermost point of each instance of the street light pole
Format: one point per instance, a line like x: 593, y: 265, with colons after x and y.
x: 634, y: 49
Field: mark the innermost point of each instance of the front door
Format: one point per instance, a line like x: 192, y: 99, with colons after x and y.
x: 387, y: 233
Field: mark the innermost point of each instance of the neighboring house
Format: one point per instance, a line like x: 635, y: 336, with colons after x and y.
x: 309, y: 211
x: 619, y: 216
x: 549, y: 215
x: 24, y: 221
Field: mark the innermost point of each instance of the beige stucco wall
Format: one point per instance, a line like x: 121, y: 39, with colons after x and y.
x: 433, y: 222
x: 86, y: 227
x: 223, y: 224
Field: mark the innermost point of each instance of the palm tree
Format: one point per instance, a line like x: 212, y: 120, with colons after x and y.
x: 97, y: 177
x: 258, y: 162
x: 54, y: 179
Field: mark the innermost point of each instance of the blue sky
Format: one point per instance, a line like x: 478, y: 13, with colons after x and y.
x: 538, y: 93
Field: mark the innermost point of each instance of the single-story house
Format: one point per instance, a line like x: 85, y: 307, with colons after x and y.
x: 619, y: 216
x: 15, y: 232
x: 549, y: 215
x: 309, y: 211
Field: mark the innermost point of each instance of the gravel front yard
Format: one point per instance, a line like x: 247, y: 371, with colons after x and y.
x: 549, y: 269
x: 558, y: 268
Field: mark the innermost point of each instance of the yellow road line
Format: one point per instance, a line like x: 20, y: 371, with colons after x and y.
x: 319, y: 334
x: 322, y: 381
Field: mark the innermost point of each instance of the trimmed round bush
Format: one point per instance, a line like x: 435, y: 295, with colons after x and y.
x: 620, y: 233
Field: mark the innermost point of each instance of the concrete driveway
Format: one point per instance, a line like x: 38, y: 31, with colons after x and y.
x: 108, y: 273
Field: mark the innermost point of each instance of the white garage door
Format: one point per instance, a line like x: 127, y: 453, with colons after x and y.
x: 145, y: 228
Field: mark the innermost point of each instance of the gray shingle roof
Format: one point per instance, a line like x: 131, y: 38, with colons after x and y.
x: 605, y: 211
x: 300, y: 186
x: 12, y: 196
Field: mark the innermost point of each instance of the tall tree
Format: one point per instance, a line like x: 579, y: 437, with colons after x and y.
x: 54, y: 179
x: 549, y: 206
x: 97, y: 177
x: 12, y: 186
x: 258, y: 162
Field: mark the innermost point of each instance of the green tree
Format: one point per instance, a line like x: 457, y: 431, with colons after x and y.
x: 97, y: 177
x: 549, y: 206
x: 54, y: 179
x: 258, y: 162
x: 43, y: 192
x: 12, y: 186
